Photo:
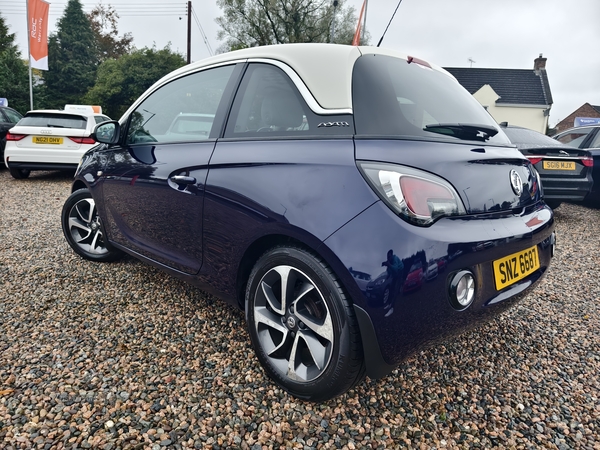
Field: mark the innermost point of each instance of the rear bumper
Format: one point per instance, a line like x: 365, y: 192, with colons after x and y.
x: 412, y: 319
x: 566, y: 189
x: 41, y: 166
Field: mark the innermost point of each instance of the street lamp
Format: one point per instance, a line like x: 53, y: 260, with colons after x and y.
x: 332, y: 35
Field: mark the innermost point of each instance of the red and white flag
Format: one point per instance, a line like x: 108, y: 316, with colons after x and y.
x: 356, y: 40
x: 37, y: 15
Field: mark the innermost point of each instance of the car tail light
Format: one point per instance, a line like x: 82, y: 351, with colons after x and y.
x: 14, y: 137
x: 587, y: 161
x: 416, y: 196
x: 534, y: 159
x: 83, y: 140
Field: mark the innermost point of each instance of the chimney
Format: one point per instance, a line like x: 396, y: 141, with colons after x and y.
x: 539, y: 63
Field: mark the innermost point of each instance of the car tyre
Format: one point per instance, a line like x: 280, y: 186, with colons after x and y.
x: 83, y: 229
x: 19, y: 174
x: 307, y: 340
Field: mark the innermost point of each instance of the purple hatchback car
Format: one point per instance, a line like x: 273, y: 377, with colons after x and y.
x: 357, y: 203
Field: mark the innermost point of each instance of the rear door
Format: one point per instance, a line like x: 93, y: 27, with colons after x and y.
x: 154, y: 181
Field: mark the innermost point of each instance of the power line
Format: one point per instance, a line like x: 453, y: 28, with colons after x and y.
x: 210, y: 50
x: 124, y: 9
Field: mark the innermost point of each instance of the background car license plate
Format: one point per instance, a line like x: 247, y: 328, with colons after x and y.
x: 47, y: 140
x: 559, y: 165
x: 515, y: 267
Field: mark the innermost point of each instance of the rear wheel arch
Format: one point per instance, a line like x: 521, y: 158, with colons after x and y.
x: 322, y: 316
x: 78, y: 184
x: 318, y: 249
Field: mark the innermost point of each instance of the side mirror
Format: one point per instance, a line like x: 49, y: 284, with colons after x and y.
x: 107, y: 132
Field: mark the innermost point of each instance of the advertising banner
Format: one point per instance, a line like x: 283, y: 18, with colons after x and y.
x: 37, y: 15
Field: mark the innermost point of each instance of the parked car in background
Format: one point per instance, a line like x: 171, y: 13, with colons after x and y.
x: 322, y: 165
x: 51, y: 139
x: 587, y: 137
x: 8, y: 118
x: 580, y: 137
x: 566, y: 172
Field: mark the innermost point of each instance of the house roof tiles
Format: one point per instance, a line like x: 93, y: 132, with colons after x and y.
x: 514, y: 86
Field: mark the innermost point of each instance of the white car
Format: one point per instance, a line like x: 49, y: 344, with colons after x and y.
x: 51, y: 139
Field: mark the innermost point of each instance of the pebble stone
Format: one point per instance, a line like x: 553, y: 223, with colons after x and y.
x: 122, y: 356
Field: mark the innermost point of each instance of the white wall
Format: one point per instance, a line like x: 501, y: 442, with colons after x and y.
x: 522, y: 116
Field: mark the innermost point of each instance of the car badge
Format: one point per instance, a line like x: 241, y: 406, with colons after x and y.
x: 516, y: 182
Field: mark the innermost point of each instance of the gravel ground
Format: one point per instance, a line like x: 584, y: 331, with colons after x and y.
x: 123, y: 356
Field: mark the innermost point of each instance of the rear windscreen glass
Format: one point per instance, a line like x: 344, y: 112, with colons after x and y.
x: 392, y: 97
x: 51, y: 120
x: 524, y: 136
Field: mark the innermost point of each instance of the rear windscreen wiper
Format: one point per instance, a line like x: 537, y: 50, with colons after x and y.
x: 469, y: 131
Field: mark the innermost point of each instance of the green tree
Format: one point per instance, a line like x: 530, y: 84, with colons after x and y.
x: 121, y: 81
x: 72, y: 58
x: 103, y: 19
x: 251, y: 23
x: 14, y: 77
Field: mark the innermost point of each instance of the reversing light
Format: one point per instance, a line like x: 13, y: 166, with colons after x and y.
x: 14, y: 137
x: 462, y: 290
x: 417, y: 196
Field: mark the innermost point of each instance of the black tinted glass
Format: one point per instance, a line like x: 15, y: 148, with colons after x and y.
x: 13, y: 116
x: 392, y: 97
x: 525, y: 136
x: 268, y: 104
x: 51, y: 120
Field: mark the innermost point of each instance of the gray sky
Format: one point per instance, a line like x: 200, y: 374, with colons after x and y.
x: 493, y: 33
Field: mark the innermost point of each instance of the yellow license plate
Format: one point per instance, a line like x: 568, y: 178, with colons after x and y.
x: 515, y: 267
x: 559, y: 165
x: 47, y: 140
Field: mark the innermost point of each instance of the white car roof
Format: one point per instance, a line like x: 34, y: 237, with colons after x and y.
x: 325, y: 69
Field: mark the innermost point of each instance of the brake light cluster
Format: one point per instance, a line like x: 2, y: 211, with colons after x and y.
x: 83, y: 140
x: 14, y: 137
x: 415, y: 195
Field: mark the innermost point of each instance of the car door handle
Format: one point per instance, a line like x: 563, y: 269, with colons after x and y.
x: 181, y: 179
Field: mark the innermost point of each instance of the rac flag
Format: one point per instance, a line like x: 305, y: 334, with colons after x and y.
x: 356, y: 40
x: 37, y: 15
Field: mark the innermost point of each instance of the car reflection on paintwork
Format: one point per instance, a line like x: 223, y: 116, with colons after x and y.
x: 414, y: 279
x: 432, y: 271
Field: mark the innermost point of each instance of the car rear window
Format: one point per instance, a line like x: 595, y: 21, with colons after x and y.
x: 53, y: 120
x: 525, y: 136
x: 392, y: 97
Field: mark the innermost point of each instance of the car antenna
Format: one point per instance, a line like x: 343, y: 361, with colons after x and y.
x: 389, y: 23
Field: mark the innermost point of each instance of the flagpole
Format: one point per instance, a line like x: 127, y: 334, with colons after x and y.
x: 29, y: 56
x: 365, y: 21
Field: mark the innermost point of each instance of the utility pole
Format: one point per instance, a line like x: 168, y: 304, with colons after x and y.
x: 189, y: 33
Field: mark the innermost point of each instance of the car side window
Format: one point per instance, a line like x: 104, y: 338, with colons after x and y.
x: 596, y: 142
x: 180, y: 111
x: 12, y: 115
x: 269, y: 104
x: 575, y: 137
